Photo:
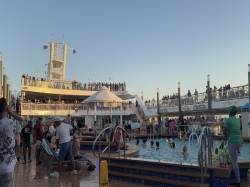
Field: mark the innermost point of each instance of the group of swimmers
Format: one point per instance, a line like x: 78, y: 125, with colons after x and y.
x: 170, y: 142
x: 151, y: 143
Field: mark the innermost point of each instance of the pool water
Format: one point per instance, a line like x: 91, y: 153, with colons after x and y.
x: 165, y: 153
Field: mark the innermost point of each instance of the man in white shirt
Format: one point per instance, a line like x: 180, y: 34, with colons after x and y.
x: 63, y: 137
x: 8, y: 130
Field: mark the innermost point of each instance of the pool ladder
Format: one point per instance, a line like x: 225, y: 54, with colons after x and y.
x: 117, y: 128
x: 205, y: 151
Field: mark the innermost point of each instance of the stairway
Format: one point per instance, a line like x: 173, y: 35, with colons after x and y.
x: 143, y: 107
x: 138, y: 115
x: 155, y: 173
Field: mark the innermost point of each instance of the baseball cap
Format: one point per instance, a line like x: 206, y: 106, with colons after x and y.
x: 51, y: 117
x: 233, y: 109
x: 57, y: 119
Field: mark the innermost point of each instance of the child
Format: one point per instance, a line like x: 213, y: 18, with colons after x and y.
x: 157, y: 145
x: 185, y: 137
x: 179, y: 134
x: 185, y: 151
x: 152, y: 144
x: 144, y: 142
x: 137, y: 142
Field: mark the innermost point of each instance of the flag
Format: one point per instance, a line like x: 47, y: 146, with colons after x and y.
x: 45, y: 47
x: 74, y: 51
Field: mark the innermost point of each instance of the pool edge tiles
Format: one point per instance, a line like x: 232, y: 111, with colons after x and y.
x: 146, y: 163
x: 160, y: 161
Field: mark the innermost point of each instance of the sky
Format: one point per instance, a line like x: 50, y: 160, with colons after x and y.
x: 149, y: 44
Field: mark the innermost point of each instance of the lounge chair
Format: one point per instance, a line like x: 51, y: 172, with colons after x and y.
x: 49, y: 156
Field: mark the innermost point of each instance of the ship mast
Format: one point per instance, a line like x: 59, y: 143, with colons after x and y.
x: 57, y: 61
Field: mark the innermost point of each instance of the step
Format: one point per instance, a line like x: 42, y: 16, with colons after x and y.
x: 155, y: 181
x: 160, y: 170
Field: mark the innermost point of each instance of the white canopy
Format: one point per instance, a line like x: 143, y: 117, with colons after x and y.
x: 103, y: 95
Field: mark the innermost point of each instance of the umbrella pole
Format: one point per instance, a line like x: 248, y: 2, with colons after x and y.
x: 110, y: 112
x: 121, y: 115
x: 101, y: 116
x: 95, y: 111
x: 86, y: 126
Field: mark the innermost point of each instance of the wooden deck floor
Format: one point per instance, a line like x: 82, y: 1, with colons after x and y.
x: 24, y: 176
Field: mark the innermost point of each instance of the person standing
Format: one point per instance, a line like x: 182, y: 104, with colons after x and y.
x: 196, y: 96
x: 18, y: 139
x: 38, y: 133
x: 8, y: 129
x: 106, y: 131
x: 63, y: 136
x: 95, y: 128
x: 129, y: 126
x: 148, y: 126
x: 68, y: 119
x: 26, y: 132
x: 51, y: 129
x: 233, y: 136
x: 240, y: 120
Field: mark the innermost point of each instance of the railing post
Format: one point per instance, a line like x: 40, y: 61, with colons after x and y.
x: 119, y: 138
x: 109, y: 146
x: 124, y: 141
x: 205, y: 146
x: 99, y: 157
x: 201, y: 161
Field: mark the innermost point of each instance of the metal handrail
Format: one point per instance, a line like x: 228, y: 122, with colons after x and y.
x: 138, y: 115
x: 202, y: 156
x: 98, y: 136
x: 121, y: 129
x: 93, y: 147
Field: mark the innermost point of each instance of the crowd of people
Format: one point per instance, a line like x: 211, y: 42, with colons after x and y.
x: 223, y: 93
x: 17, y: 133
x: 71, y: 84
x: 59, y: 105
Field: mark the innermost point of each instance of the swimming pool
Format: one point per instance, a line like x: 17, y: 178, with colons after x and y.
x: 165, y: 153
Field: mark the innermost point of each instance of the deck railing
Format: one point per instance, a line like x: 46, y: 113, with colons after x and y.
x: 238, y: 92
x: 38, y: 106
x: 71, y: 85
